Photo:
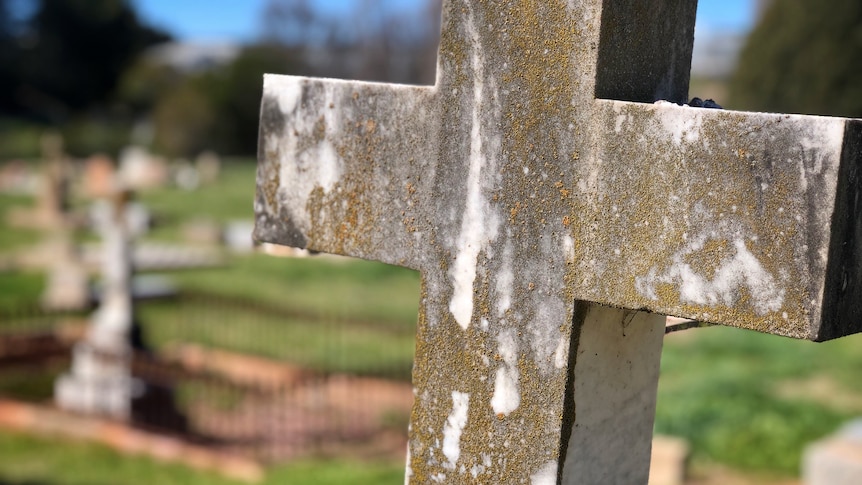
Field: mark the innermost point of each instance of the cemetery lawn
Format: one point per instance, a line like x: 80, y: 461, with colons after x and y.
x: 9, y: 238
x: 31, y: 460
x: 748, y: 400
x: 754, y: 401
x: 19, y: 290
x: 230, y: 197
x: 742, y: 399
x: 323, y: 285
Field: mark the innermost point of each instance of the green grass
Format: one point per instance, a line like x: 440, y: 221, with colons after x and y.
x: 231, y: 197
x: 325, y: 345
x: 359, y: 289
x: 222, y: 398
x: 338, y: 472
x: 725, y: 390
x: 19, y: 290
x: 366, y: 290
x: 29, y: 383
x: 721, y: 389
x: 14, y: 238
x: 32, y: 460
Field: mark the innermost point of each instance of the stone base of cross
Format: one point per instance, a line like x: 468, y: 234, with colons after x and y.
x: 98, y: 383
x: 556, y: 214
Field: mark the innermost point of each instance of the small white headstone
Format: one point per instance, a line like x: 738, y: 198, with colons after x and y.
x: 836, y: 460
x: 140, y: 169
x: 100, y: 381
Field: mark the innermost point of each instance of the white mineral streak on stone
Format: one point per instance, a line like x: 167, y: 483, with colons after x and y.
x: 302, y: 169
x: 454, y: 427
x: 545, y: 331
x: 618, y: 125
x: 477, y: 224
x: 682, y: 123
x: 505, y: 280
x: 569, y: 248
x: 742, y: 269
x: 546, y: 475
x: 507, y: 395
x: 332, y: 116
x: 408, y: 473
x: 561, y: 356
x: 328, y: 170
x: 824, y: 139
x: 287, y: 90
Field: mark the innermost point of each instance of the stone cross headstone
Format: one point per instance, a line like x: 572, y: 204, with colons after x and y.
x: 54, y: 195
x: 556, y: 214
x: 100, y: 380
x: 67, y: 280
x: 836, y: 459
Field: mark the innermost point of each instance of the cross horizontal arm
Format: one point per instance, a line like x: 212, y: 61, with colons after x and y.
x: 741, y: 219
x: 341, y: 165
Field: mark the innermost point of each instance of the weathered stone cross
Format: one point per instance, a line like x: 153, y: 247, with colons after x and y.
x: 555, y: 220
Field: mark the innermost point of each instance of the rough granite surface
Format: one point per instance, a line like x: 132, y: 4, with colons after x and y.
x: 538, y: 172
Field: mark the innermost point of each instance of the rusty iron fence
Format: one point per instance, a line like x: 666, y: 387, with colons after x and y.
x: 237, y: 375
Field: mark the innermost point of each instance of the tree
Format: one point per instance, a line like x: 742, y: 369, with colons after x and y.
x: 215, y: 109
x: 237, y: 93
x: 805, y: 57
x: 142, y: 85
x: 71, y: 54
x: 372, y: 41
x: 8, y: 57
x: 184, y: 120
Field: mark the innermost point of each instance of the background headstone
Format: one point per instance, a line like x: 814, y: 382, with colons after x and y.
x: 669, y: 461
x: 100, y: 381
x: 67, y: 285
x: 206, y: 232
x: 836, y: 460
x: 99, y: 176
x: 186, y: 175
x: 136, y: 215
x: 17, y: 177
x: 208, y: 165
x: 237, y: 236
x: 52, y: 202
x: 67, y: 280
x: 140, y: 169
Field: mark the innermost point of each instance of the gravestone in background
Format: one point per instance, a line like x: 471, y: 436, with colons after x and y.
x: 53, y: 201
x: 100, y: 381
x: 556, y: 215
x: 67, y: 280
x: 140, y: 169
x: 836, y: 459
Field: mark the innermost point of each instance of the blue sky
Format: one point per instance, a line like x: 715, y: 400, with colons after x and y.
x: 239, y: 20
